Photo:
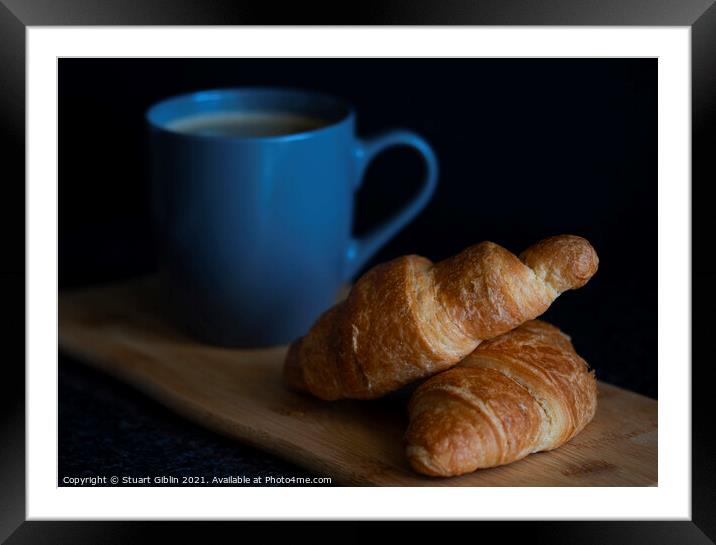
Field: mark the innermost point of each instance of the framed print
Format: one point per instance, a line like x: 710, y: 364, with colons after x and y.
x: 433, y: 264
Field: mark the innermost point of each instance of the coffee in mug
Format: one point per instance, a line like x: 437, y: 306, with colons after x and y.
x: 250, y: 123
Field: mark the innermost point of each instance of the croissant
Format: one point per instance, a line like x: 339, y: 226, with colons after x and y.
x: 523, y: 392
x: 410, y: 318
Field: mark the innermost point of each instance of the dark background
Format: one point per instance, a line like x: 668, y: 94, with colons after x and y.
x: 527, y: 149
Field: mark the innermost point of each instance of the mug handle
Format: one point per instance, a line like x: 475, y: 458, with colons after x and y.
x: 361, y: 249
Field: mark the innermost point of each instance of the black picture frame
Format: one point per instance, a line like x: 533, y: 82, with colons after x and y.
x: 16, y: 15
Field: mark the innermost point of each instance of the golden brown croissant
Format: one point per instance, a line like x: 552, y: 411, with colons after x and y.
x: 522, y: 392
x: 409, y: 318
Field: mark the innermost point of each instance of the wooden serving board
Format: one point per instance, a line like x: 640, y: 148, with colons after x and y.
x: 120, y: 330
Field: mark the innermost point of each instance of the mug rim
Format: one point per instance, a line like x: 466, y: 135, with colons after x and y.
x: 163, y: 107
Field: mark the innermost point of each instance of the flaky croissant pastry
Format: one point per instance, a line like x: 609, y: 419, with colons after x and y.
x: 410, y: 318
x: 522, y: 392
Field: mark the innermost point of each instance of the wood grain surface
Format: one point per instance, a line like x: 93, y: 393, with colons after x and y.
x: 122, y: 330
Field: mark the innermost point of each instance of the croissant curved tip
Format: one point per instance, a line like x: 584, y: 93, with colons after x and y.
x: 436, y: 438
x: 564, y: 261
x: 438, y: 461
x: 422, y: 462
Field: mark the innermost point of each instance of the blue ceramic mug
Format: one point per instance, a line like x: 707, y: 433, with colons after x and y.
x: 254, y: 228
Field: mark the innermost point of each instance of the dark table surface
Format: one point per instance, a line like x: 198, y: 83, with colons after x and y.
x: 106, y: 428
